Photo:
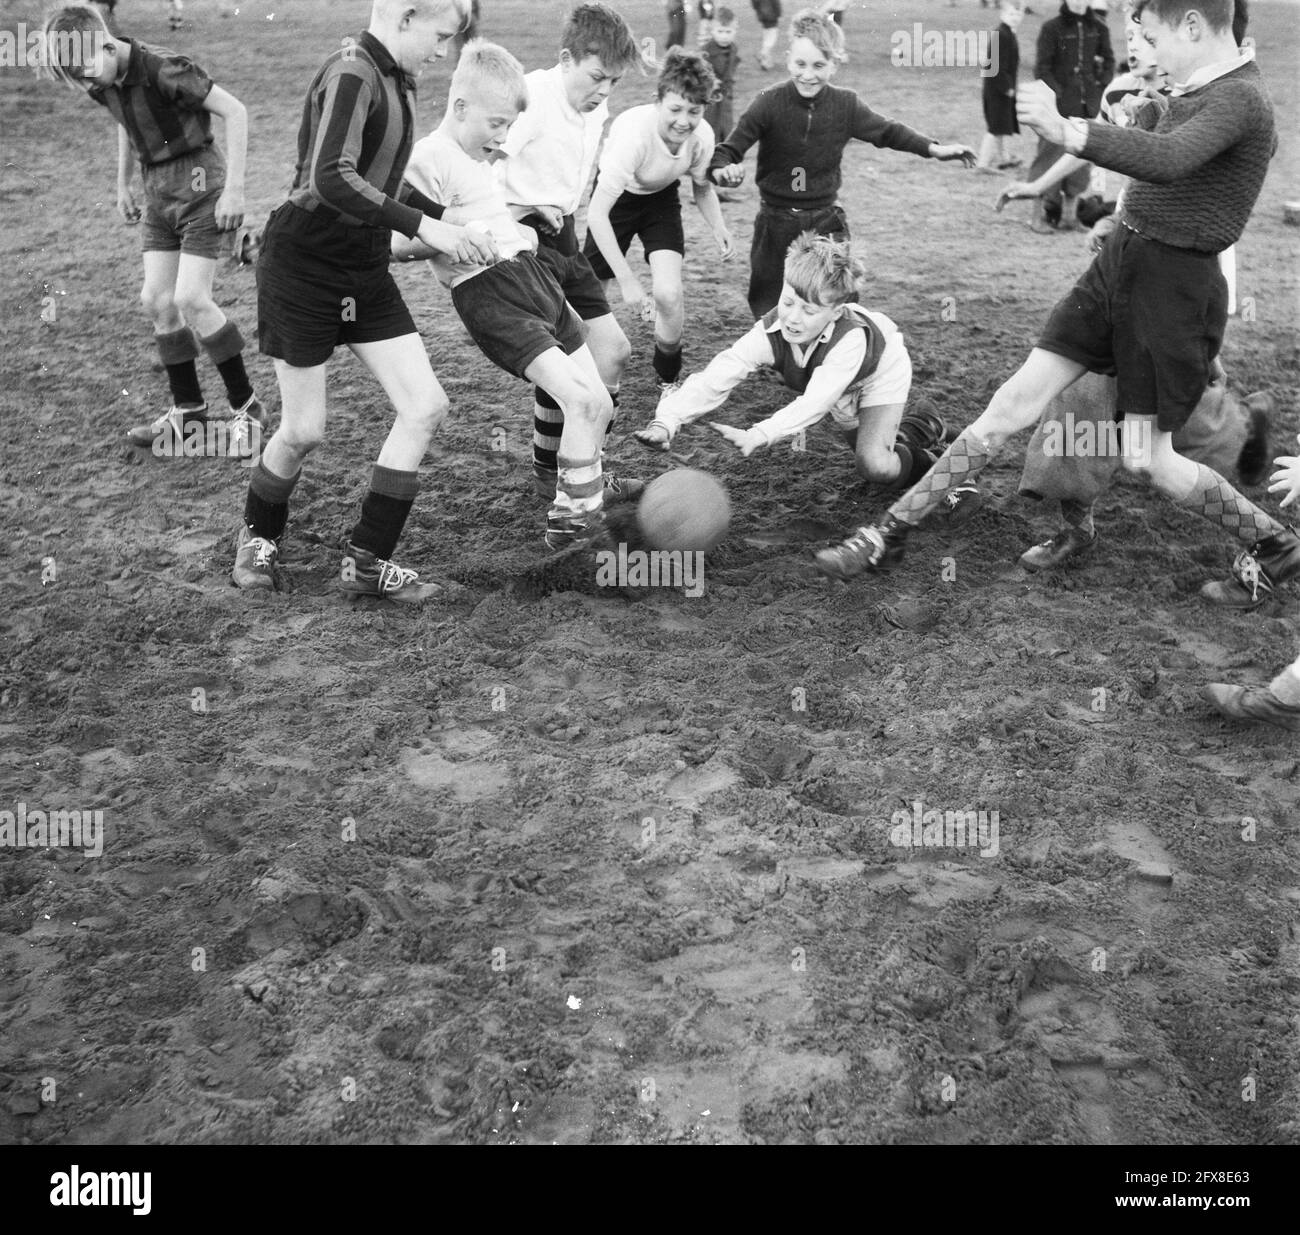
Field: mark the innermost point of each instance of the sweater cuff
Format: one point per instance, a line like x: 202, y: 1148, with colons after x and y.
x: 401, y: 218
x: 425, y: 205
x: 1076, y: 135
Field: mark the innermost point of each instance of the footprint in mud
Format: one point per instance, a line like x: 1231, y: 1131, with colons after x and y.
x: 1152, y: 874
x: 793, y: 532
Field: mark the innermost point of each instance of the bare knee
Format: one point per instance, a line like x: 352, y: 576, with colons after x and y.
x: 669, y: 303
x: 191, y: 303
x: 156, y: 301
x: 426, y: 411
x: 877, y: 467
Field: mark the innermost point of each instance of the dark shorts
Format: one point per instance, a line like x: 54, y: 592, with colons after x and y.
x: 181, y: 198
x: 775, y: 229
x: 515, y: 311
x: 321, y: 284
x: 571, y: 270
x: 769, y: 13
x: 1151, y: 315
x: 654, y: 217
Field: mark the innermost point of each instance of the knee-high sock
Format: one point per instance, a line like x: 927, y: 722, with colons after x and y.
x: 548, y: 425
x: 1218, y: 501
x: 962, y: 461
x: 668, y: 360
x: 178, y: 349
x: 384, y: 510
x: 266, y: 509
x: 225, y: 349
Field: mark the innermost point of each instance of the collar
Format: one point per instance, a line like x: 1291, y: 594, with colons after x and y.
x: 134, y: 73
x: 384, y: 61
x: 1210, y: 72
x: 555, y: 76
x: 798, y: 98
x: 803, y: 350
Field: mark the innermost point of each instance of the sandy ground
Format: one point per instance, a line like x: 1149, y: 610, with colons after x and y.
x: 582, y: 869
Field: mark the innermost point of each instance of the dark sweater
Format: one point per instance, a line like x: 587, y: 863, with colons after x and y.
x: 1076, y: 60
x: 1199, y: 169
x: 801, y: 141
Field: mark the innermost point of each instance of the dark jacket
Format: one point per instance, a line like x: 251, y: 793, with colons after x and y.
x: 1076, y: 60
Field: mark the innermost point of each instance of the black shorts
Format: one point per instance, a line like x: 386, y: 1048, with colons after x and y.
x: 655, y: 217
x: 1151, y: 315
x: 320, y: 284
x: 769, y: 13
x: 515, y: 311
x: 573, y: 272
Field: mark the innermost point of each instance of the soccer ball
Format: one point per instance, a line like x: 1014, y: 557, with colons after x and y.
x: 684, y: 509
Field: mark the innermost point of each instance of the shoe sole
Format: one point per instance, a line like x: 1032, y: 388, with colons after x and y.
x: 1072, y: 556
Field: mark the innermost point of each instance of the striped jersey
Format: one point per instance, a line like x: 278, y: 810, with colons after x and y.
x: 159, y: 102
x: 358, y: 123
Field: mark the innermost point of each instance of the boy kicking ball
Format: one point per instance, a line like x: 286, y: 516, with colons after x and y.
x: 551, y: 153
x: 839, y: 358
x: 1152, y: 306
x: 164, y: 104
x: 515, y: 310
x: 648, y: 150
x: 323, y: 279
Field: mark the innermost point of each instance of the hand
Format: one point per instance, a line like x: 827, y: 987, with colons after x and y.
x: 1036, y: 108
x: 1218, y: 375
x: 127, y: 206
x: 729, y: 176
x: 551, y: 219
x: 1286, y: 479
x: 726, y: 243
x: 634, y: 297
x: 461, y: 244
x: 230, y: 209
x: 1014, y: 192
x: 951, y: 152
x: 746, y: 440
x: 1101, y: 230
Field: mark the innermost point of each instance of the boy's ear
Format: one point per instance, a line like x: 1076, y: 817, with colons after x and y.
x: 566, y: 57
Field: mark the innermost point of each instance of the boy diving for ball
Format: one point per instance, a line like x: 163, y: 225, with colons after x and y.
x: 840, y: 359
x: 514, y: 310
x: 164, y: 104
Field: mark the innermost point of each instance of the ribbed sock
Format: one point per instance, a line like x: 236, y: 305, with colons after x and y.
x: 1078, y: 515
x: 178, y: 350
x: 1218, y: 501
x: 962, y: 461
x: 668, y: 361
x: 384, y: 511
x: 266, y: 509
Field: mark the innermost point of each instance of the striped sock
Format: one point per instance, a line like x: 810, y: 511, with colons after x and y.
x: 266, y: 509
x: 962, y: 461
x: 1218, y: 501
x: 548, y: 425
x: 579, y: 489
x: 225, y: 349
x: 178, y: 350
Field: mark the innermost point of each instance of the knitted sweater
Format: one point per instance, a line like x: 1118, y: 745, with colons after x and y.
x: 1199, y: 169
x: 801, y: 142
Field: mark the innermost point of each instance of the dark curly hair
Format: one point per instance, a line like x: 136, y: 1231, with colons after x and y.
x: 689, y: 74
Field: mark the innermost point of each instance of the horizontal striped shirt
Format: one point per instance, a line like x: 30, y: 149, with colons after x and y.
x: 159, y: 101
x: 358, y: 123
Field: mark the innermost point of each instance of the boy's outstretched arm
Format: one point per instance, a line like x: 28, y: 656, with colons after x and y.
x: 825, y: 388
x: 724, y: 167
x: 230, y: 205
x: 706, y: 201
x: 1159, y: 158
x: 1065, y: 166
x: 1286, y: 478
x: 602, y: 232
x: 870, y: 126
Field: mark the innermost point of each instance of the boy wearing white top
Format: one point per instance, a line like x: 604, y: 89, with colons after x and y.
x: 648, y: 150
x: 552, y: 154
x: 514, y: 310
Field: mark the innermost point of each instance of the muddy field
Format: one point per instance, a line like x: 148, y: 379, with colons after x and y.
x: 579, y: 869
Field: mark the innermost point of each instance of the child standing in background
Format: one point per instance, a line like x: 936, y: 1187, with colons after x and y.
x: 676, y: 23
x: 769, y: 17
x: 1000, y: 93
x: 723, y: 56
x: 707, y: 11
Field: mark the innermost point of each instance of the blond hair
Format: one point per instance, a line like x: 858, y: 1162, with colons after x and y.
x: 822, y: 271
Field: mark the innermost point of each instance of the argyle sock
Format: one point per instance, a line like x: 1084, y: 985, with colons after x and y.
x: 1078, y: 515
x: 178, y: 350
x: 266, y: 509
x: 962, y: 461
x: 384, y: 510
x: 1218, y: 501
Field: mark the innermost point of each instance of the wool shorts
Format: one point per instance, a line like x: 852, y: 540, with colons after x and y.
x: 572, y: 271
x: 1149, y: 314
x: 181, y: 198
x: 656, y: 218
x: 515, y: 311
x: 321, y: 283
